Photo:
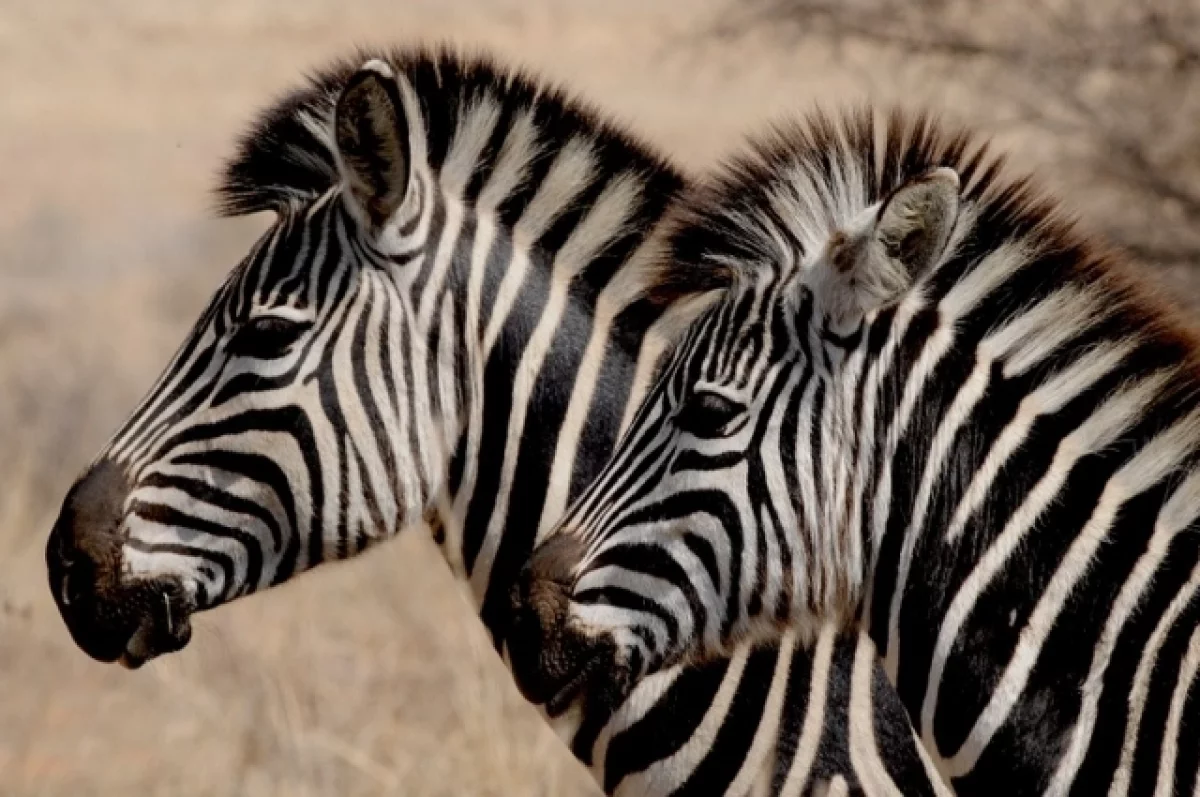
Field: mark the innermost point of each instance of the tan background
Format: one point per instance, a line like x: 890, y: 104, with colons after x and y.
x: 365, y: 678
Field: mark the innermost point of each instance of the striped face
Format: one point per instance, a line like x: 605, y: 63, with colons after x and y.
x: 702, y: 491
x: 259, y: 451
x: 726, y: 510
x: 306, y: 416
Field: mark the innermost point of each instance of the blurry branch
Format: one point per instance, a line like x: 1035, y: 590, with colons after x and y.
x: 922, y: 26
x: 1114, y: 83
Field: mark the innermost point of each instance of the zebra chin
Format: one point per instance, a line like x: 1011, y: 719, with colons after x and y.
x: 555, y: 663
x: 111, y: 615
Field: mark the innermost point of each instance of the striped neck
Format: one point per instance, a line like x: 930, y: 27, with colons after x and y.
x: 563, y: 358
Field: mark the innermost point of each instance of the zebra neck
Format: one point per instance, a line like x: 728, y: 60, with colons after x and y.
x: 891, y: 443
x: 561, y: 367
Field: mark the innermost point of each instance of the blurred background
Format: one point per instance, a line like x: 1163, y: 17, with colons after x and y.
x: 372, y: 677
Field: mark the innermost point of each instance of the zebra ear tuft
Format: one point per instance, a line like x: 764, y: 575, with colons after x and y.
x: 886, y: 249
x: 372, y: 142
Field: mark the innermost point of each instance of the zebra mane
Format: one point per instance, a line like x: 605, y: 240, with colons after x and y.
x: 287, y: 156
x: 804, y: 179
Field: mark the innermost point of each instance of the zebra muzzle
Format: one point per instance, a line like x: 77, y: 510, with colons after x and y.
x: 111, y: 616
x: 126, y: 622
x: 555, y: 663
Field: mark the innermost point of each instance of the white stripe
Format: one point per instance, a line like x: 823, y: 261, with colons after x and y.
x: 1104, y: 426
x: 658, y: 341
x: 474, y: 128
x: 873, y: 386
x: 996, y: 269
x: 442, y: 258
x: 1176, y: 516
x: 1141, y: 681
x: 645, y: 696
x: 935, y: 348
x: 349, y: 402
x: 572, y: 170
x: 668, y: 774
x: 814, y: 717
x: 966, y: 294
x: 756, y: 766
x: 1147, y: 468
x: 1187, y: 675
x: 864, y: 753
x: 1047, y: 399
x: 835, y: 787
x: 597, y: 229
x: 615, y: 297
x: 485, y: 237
x: 510, y: 172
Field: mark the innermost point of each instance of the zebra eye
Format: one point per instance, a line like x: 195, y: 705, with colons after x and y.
x: 708, y: 414
x: 266, y: 337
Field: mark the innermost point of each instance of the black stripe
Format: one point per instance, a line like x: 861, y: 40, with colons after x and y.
x: 265, y: 471
x: 170, y: 516
x: 667, y: 726
x: 736, y: 733
x: 438, y: 229
x: 498, y: 379
x: 206, y: 493
x: 795, y: 709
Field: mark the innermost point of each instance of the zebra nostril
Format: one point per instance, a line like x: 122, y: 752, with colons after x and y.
x: 64, y: 593
x: 77, y: 578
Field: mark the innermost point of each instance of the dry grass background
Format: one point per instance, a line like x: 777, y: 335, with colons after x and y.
x: 365, y: 678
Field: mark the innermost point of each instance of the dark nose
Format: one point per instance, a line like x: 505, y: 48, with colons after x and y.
x: 553, y: 662
x: 83, y: 560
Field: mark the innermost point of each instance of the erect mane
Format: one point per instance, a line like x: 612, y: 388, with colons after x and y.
x: 793, y: 186
x: 805, y: 178
x: 287, y: 156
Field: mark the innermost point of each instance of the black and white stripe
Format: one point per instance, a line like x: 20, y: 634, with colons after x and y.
x: 451, y: 315
x: 778, y: 719
x: 928, y: 407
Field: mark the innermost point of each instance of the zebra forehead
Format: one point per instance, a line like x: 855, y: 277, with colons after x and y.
x: 286, y: 158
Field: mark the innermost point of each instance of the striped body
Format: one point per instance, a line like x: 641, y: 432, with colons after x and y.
x: 927, y: 407
x: 448, y: 322
x: 776, y: 719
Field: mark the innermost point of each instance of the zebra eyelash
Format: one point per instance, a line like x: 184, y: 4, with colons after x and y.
x: 267, y: 337
x: 709, y: 414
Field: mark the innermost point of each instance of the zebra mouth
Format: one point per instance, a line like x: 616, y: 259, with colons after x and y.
x: 163, y: 631
x: 575, y: 685
x: 555, y: 663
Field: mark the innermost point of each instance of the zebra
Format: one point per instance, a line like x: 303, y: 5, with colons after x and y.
x: 929, y: 407
x: 447, y: 322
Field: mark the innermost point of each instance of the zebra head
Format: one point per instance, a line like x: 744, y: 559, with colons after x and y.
x: 289, y: 428
x: 723, y: 513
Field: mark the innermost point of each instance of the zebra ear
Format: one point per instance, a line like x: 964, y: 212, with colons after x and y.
x: 372, y: 142
x: 915, y: 222
x: 886, y: 249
